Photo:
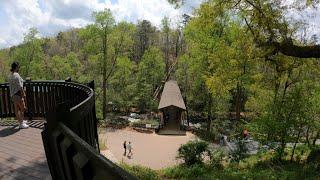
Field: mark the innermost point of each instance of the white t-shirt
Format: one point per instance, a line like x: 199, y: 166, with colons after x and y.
x: 129, y: 147
x: 15, y: 83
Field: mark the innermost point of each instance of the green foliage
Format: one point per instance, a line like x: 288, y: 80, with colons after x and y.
x: 197, y: 171
x: 4, y: 65
x: 149, y: 76
x: 257, y: 166
x: 30, y: 55
x: 142, y: 123
x: 122, y: 84
x: 61, y: 68
x: 240, y: 152
x: 314, y: 157
x: 193, y: 152
x: 205, y: 135
x: 216, y: 158
x: 104, y: 20
x: 140, y: 172
x: 117, y: 122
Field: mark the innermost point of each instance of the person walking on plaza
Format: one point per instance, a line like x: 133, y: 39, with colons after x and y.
x: 125, y: 148
x: 129, y: 146
x: 17, y: 94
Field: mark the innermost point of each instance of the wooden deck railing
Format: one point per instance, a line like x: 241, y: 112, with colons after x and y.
x: 70, y: 136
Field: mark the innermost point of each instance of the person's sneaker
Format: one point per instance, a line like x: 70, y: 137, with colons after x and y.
x: 23, y: 126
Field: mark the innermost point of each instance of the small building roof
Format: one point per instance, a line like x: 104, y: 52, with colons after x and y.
x: 171, y: 96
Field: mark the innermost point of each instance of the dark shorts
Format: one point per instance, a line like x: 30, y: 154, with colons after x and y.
x: 17, y: 97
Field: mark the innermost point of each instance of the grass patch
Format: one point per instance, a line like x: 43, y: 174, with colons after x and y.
x: 102, y: 143
x: 262, y: 166
x: 142, y: 173
x: 270, y: 171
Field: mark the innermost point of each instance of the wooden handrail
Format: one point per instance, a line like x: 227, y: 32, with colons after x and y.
x: 70, y: 137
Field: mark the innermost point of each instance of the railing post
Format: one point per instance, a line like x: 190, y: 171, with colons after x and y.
x: 51, y: 137
x: 68, y: 79
x: 29, y: 98
x: 91, y: 85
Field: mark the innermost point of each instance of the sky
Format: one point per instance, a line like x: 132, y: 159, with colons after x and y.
x: 53, y: 16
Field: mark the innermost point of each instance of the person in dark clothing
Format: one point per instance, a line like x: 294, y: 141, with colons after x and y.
x: 125, y: 148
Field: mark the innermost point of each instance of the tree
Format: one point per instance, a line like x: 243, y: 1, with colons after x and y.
x: 150, y: 73
x: 4, y: 65
x: 267, y: 23
x: 143, y: 38
x: 104, y: 23
x: 122, y: 84
x: 59, y: 68
x: 30, y: 54
x: 166, y: 31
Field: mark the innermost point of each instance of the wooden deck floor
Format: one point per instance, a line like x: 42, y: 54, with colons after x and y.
x: 22, y: 154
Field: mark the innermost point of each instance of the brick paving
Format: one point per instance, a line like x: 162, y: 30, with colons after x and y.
x: 22, y: 155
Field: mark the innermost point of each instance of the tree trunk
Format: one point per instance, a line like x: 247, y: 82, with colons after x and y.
x: 307, y: 136
x: 315, y: 139
x: 187, y: 109
x: 29, y: 63
x: 167, y: 53
x: 294, y: 147
x: 289, y: 49
x: 283, y: 146
x: 177, y: 45
x: 104, y: 80
x: 209, y: 113
x: 238, y: 103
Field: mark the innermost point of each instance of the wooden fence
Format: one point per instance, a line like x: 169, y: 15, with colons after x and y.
x: 70, y: 136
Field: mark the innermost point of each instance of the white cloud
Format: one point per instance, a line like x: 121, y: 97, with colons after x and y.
x: 52, y: 16
x: 2, y: 41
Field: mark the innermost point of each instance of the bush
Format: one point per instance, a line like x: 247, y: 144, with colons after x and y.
x: 192, y: 152
x: 140, y: 172
x: 142, y: 123
x: 205, y: 135
x: 194, y: 119
x: 216, y: 158
x: 117, y: 123
x: 314, y: 158
x: 183, y: 172
x: 240, y: 152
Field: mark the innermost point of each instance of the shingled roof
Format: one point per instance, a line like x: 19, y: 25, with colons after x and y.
x: 171, y: 96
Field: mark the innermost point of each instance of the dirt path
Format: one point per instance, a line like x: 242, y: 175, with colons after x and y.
x: 150, y: 150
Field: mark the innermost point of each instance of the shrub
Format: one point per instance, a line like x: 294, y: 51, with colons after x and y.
x: 184, y: 172
x: 192, y: 152
x: 206, y: 135
x: 117, y: 123
x: 102, y: 143
x: 240, y: 152
x: 216, y: 158
x: 142, y: 123
x: 314, y: 158
x: 141, y: 172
